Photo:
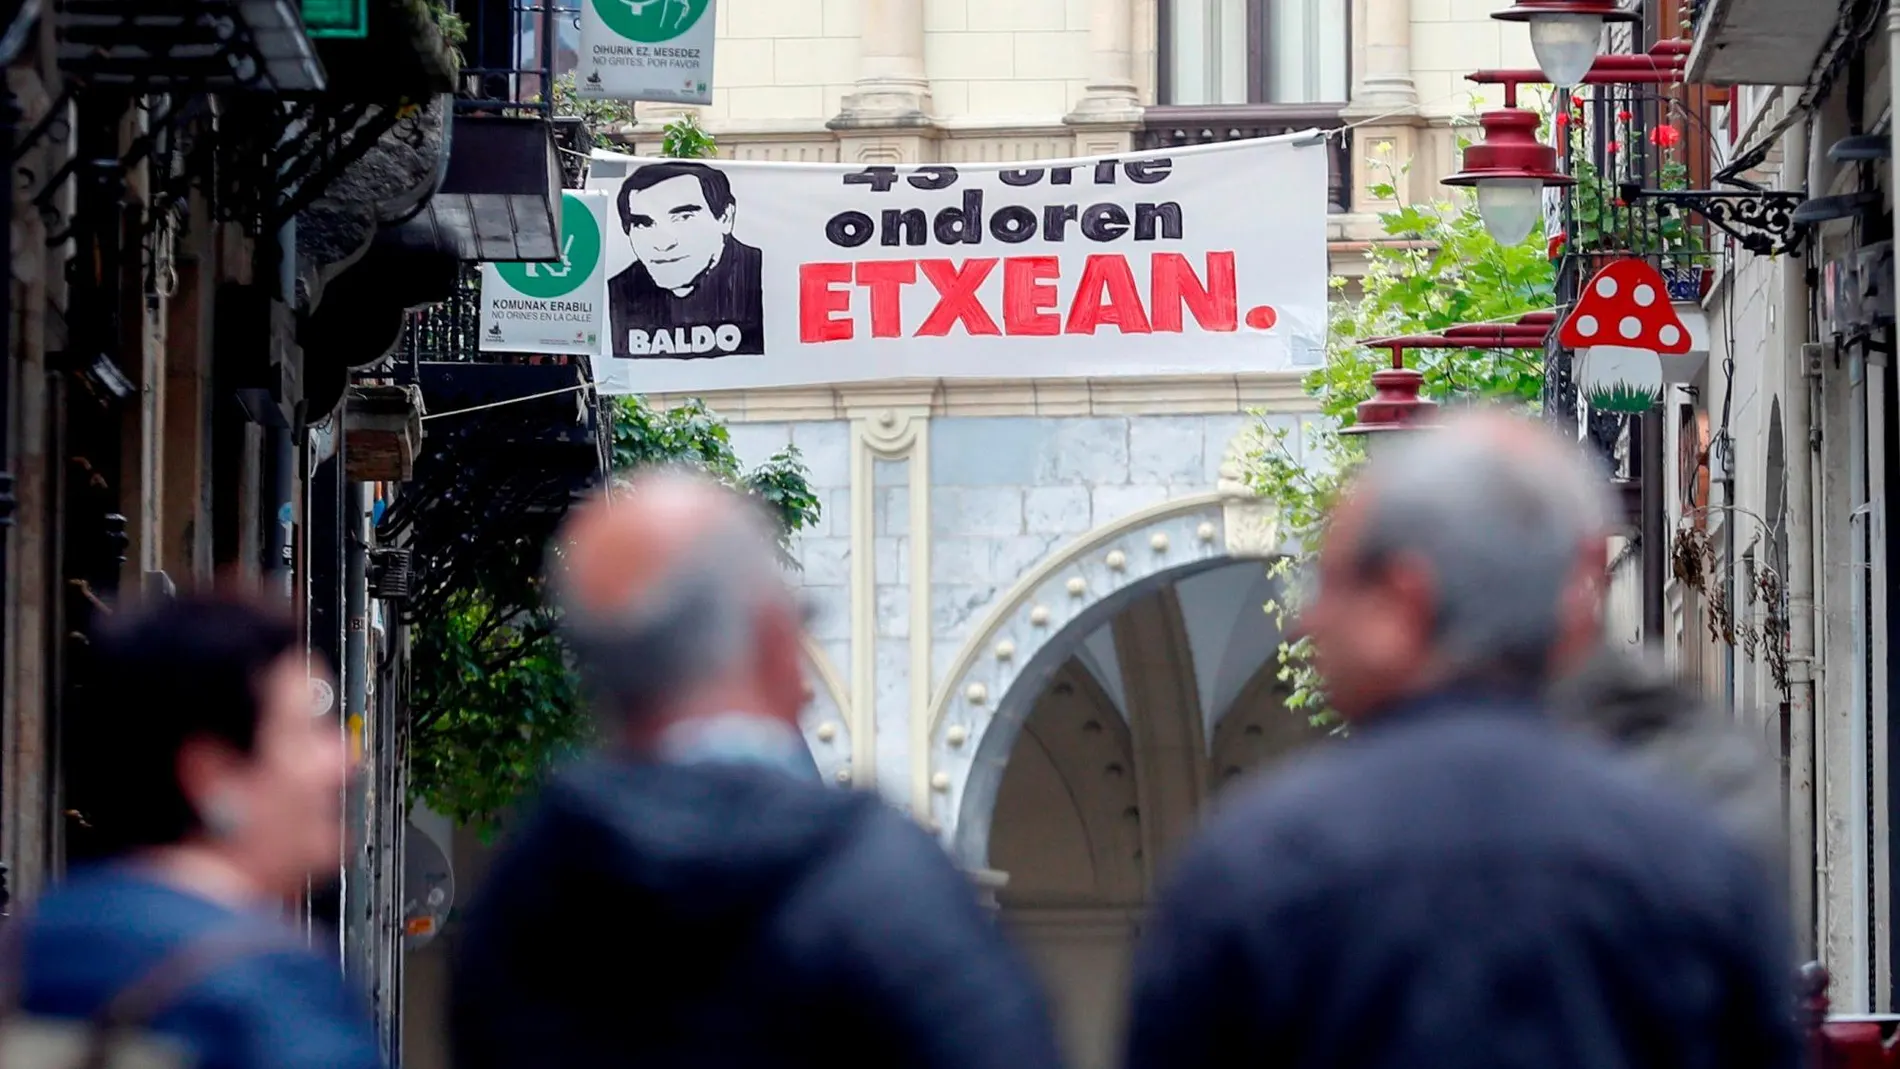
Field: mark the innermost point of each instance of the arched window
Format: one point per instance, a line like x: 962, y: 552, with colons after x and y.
x: 1254, y: 51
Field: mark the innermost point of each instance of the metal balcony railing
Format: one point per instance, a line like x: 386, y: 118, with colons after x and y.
x: 1621, y: 142
x: 515, y: 51
x: 1171, y: 126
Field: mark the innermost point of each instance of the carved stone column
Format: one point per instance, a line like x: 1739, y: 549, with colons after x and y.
x: 1386, y: 92
x: 892, y: 89
x: 1111, y: 108
x: 1387, y: 84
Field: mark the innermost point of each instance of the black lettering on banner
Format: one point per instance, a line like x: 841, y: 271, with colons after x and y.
x: 880, y: 179
x: 1148, y: 172
x: 849, y: 229
x: 1014, y: 224
x: 962, y: 226
x: 1104, y: 222
x: 934, y: 177
x: 1056, y: 219
x: 910, y: 226
x: 1167, y: 214
x: 964, y: 223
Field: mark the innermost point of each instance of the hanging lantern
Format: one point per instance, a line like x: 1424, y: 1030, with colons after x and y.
x: 1620, y: 329
x: 1565, y: 34
x: 1509, y: 168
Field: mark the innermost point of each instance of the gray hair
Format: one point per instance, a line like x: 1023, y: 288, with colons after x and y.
x: 698, y: 623
x: 1502, y: 531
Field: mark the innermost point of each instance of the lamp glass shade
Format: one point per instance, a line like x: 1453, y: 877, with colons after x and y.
x: 1565, y: 45
x: 1510, y: 207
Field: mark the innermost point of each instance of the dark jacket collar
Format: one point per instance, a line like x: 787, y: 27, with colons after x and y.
x: 1459, y: 700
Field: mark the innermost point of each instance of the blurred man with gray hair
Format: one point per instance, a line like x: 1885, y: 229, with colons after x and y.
x: 1462, y: 882
x: 695, y: 896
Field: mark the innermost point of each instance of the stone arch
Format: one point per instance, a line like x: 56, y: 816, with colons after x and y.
x: 991, y: 685
x: 824, y: 721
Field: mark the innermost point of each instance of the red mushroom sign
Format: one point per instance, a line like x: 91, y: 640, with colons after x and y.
x: 1620, y: 329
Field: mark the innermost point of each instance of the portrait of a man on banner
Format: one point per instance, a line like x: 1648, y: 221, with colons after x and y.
x: 693, y: 289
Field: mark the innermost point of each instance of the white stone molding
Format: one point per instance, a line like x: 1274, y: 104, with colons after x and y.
x: 1252, y: 525
x: 895, y: 426
x: 1269, y: 392
x: 969, y: 741
x: 826, y: 720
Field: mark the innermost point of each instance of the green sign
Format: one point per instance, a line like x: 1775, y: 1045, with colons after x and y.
x: 336, y: 18
x: 650, y: 21
x: 580, y: 255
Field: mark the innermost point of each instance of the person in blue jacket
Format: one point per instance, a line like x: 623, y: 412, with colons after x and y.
x: 1465, y: 882
x: 695, y: 896
x: 225, y: 798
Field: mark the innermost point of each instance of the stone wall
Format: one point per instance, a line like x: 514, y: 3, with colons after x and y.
x: 941, y: 526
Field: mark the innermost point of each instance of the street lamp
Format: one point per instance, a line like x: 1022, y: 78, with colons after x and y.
x: 1395, y: 408
x: 1565, y: 33
x: 1509, y: 168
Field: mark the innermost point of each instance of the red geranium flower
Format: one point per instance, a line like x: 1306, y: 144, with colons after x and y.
x: 1562, y: 119
x: 1624, y: 115
x: 1577, y: 100
x: 1665, y: 136
x: 1614, y: 146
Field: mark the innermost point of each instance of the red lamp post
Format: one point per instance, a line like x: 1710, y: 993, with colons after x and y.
x: 1509, y: 168
x: 1565, y: 33
x: 1395, y: 404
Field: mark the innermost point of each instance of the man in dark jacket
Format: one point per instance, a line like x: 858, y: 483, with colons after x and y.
x: 1642, y: 709
x: 1462, y: 882
x: 693, y: 897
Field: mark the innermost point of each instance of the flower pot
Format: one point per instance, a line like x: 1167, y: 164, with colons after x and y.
x: 1687, y: 282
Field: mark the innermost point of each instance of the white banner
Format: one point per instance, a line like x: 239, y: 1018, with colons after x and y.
x: 646, y: 50
x: 554, y: 307
x: 732, y: 275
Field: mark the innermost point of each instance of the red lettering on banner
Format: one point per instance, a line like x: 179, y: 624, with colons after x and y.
x: 1174, y: 285
x: 956, y: 287
x: 1107, y: 278
x: 1106, y: 295
x: 820, y: 300
x: 1029, y: 296
x: 886, y: 280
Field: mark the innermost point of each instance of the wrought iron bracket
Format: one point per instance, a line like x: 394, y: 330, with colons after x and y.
x: 1762, y: 221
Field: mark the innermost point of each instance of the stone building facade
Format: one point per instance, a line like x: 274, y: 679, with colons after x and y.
x: 1040, y: 625
x: 953, y: 81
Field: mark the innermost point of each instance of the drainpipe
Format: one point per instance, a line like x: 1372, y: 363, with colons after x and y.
x: 1801, y: 457
x: 358, y: 890
x: 280, y: 458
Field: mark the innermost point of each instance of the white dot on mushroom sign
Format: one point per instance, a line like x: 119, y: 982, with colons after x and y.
x: 1606, y: 286
x: 1630, y: 327
x: 1668, y: 334
x: 1587, y: 325
x: 1644, y: 296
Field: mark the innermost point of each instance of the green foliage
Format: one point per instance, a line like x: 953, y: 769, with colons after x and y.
x: 603, y: 117
x: 454, y: 29
x: 685, y: 139
x: 1436, y: 268
x: 493, y: 701
x: 494, y: 704
x: 681, y: 139
x: 1603, y: 220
